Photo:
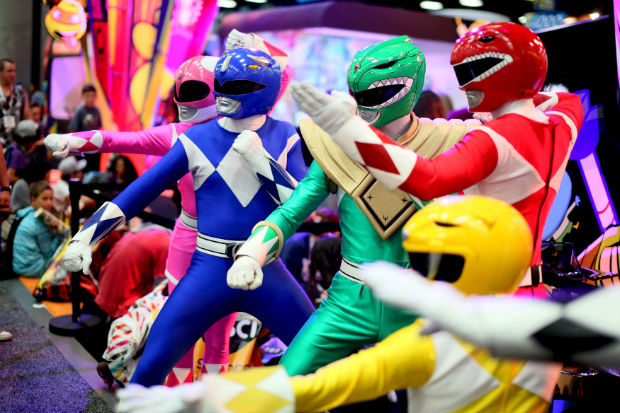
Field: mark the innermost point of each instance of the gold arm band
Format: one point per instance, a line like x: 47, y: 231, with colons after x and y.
x: 278, y: 233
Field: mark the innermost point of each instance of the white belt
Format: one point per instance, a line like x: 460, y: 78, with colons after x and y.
x: 216, y: 246
x: 351, y: 271
x: 532, y: 277
x: 188, y: 220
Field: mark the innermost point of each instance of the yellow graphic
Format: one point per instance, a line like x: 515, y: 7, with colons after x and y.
x: 143, y: 38
x: 254, y: 399
x: 66, y: 21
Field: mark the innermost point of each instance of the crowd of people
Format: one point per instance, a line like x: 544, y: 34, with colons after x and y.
x: 35, y: 206
x: 386, y: 151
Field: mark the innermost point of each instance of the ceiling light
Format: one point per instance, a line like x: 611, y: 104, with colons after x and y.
x: 431, y: 5
x: 256, y: 1
x: 227, y: 4
x: 471, y: 3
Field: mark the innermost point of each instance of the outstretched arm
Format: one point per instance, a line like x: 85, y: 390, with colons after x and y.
x: 471, y: 160
x: 153, y: 141
x: 509, y: 326
x: 125, y: 206
x: 404, y: 359
x: 394, y: 165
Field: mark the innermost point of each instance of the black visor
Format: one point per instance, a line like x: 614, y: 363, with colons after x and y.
x: 466, y: 72
x: 192, y: 91
x: 376, y: 96
x: 237, y: 87
x: 450, y: 266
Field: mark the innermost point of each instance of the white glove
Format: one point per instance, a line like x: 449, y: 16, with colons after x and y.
x: 161, y: 399
x: 408, y: 290
x: 245, y: 274
x: 237, y: 39
x: 77, y: 257
x: 246, y: 142
x: 58, y: 144
x: 329, y: 112
x: 466, y: 316
x: 393, y: 284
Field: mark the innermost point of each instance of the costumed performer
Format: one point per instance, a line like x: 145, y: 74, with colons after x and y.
x: 518, y: 157
x: 236, y: 180
x: 480, y: 245
x: 387, y: 78
x: 193, y: 87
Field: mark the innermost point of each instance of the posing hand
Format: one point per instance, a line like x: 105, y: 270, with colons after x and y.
x: 58, y: 144
x: 77, y: 257
x: 246, y: 142
x: 237, y: 39
x: 161, y: 399
x: 245, y: 274
x: 329, y: 112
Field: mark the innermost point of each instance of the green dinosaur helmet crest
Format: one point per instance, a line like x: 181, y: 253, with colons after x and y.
x: 386, y: 79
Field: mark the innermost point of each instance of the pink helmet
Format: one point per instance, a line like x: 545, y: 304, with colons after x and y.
x: 497, y: 63
x: 193, y: 89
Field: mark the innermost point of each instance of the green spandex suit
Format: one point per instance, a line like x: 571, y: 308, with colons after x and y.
x: 350, y: 316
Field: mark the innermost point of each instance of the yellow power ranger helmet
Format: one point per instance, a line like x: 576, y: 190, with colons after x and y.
x: 481, y: 245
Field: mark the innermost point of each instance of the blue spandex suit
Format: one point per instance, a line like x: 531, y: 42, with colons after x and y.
x: 230, y: 200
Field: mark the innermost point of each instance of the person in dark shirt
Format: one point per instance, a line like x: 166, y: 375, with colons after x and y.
x: 87, y: 117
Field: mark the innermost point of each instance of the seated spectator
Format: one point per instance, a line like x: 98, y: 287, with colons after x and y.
x: 35, y: 240
x: 70, y: 168
x: 33, y: 172
x: 17, y: 153
x: 121, y: 170
x: 131, y: 268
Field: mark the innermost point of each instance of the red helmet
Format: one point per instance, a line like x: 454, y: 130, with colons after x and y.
x: 497, y: 63
x: 193, y: 89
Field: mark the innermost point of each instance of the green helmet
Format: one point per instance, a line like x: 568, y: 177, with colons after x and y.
x: 386, y: 79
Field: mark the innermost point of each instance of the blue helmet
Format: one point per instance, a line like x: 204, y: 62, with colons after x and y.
x: 250, y: 79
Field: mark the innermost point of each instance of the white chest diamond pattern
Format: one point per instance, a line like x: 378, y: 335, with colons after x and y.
x: 237, y: 174
x: 233, y: 169
x: 200, y: 167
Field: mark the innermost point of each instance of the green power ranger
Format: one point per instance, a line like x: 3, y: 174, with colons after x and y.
x: 387, y: 79
x: 383, y: 79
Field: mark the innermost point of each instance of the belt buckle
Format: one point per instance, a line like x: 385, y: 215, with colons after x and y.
x: 231, y: 249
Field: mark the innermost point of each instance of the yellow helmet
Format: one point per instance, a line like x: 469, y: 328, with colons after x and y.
x: 481, y: 245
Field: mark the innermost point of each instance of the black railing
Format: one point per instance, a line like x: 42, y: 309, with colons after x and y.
x: 77, y: 322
